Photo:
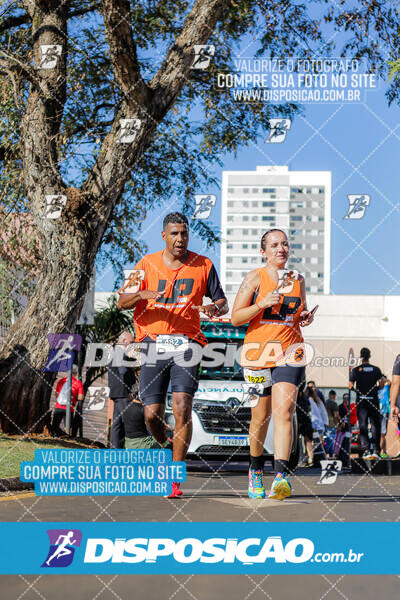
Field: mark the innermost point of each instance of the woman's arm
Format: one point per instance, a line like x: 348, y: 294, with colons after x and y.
x: 243, y: 311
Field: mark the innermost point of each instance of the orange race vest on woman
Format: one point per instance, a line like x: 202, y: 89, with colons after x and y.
x: 278, y: 323
x: 183, y: 288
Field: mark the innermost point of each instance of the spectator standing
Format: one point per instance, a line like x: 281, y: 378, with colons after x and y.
x: 343, y: 449
x: 60, y: 407
x: 384, y: 407
x: 121, y: 381
x: 333, y: 419
x: 303, y: 410
x: 366, y: 378
x: 136, y: 434
x: 320, y: 395
x: 319, y: 416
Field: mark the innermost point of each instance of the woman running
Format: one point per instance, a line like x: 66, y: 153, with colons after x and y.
x: 274, y: 305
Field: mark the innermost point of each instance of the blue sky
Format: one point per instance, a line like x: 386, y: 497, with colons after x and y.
x: 360, y: 144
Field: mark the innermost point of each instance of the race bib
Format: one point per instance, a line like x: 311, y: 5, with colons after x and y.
x: 260, y: 376
x: 171, y: 343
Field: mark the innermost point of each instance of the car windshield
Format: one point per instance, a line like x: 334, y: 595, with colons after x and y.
x: 228, y: 368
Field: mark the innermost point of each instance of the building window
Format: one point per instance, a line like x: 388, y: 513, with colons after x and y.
x: 246, y: 190
x: 269, y: 190
x: 229, y: 246
x: 244, y: 273
x: 268, y: 218
x: 320, y: 274
x: 254, y: 204
x: 307, y: 288
x: 229, y: 259
x: 245, y: 231
x: 297, y: 246
x: 229, y: 231
x: 245, y: 245
x: 230, y: 219
x: 321, y: 191
x: 229, y: 287
x: 254, y: 246
x: 231, y: 191
x: 268, y: 203
x: 297, y: 218
x: 229, y: 273
x: 245, y: 260
x: 309, y: 191
x: 320, y: 219
x: 246, y: 203
x: 255, y: 190
x: 254, y: 231
x: 230, y: 203
x: 245, y: 218
x: 254, y: 259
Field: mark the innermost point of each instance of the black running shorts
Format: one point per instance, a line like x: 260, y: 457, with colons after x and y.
x: 155, y: 376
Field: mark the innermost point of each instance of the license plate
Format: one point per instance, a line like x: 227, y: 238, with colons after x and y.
x: 233, y: 440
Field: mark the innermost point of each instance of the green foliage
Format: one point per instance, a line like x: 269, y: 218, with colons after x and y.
x: 204, y: 124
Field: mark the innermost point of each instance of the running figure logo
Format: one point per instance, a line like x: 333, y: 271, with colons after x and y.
x: 63, y: 543
x: 251, y: 394
x: 97, y: 397
x: 286, y: 281
x: 61, y: 353
x: 278, y: 129
x: 129, y: 129
x: 49, y: 54
x: 357, y: 206
x: 133, y: 282
x: 330, y: 470
x: 54, y: 205
x: 202, y: 56
x: 204, y: 205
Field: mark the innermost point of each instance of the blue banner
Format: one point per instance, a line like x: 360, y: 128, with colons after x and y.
x: 103, y: 472
x: 200, y: 548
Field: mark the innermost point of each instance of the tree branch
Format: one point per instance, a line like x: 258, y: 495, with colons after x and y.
x: 24, y: 19
x: 124, y: 60
x: 105, y: 183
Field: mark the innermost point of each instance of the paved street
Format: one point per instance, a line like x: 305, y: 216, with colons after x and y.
x: 217, y: 496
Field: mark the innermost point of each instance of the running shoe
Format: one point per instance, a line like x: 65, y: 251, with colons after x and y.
x: 374, y: 455
x: 384, y: 455
x: 281, y: 487
x: 176, y: 491
x: 366, y: 455
x: 256, y: 487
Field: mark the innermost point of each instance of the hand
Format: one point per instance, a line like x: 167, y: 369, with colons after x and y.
x: 210, y: 310
x: 306, y: 318
x: 394, y: 413
x: 269, y: 300
x: 149, y: 295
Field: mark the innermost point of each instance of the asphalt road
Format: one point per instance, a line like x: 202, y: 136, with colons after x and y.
x: 219, y: 496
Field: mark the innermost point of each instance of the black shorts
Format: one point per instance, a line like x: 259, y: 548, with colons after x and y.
x: 288, y: 374
x: 154, y: 379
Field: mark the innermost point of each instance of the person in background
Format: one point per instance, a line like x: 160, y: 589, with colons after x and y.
x: 121, y: 381
x: 60, y: 407
x: 366, y: 378
x: 319, y: 416
x: 342, y: 449
x: 303, y: 410
x: 333, y: 418
x: 136, y: 433
x: 320, y: 395
x: 384, y: 407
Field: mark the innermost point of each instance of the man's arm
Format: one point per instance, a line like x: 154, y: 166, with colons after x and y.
x: 214, y: 291
x: 128, y: 301
x: 394, y: 393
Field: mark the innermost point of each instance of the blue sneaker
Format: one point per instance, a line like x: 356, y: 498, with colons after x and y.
x: 281, y: 487
x: 256, y: 487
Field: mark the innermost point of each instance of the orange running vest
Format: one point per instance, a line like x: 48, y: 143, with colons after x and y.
x: 278, y: 323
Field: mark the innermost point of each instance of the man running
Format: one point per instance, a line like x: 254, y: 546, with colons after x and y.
x: 167, y: 321
x: 366, y: 378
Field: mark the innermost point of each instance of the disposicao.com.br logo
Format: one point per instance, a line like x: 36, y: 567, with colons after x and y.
x: 247, y: 551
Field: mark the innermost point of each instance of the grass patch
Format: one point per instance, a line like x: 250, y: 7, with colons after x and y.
x: 14, y: 450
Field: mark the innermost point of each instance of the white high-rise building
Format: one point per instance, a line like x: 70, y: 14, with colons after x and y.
x: 299, y: 202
